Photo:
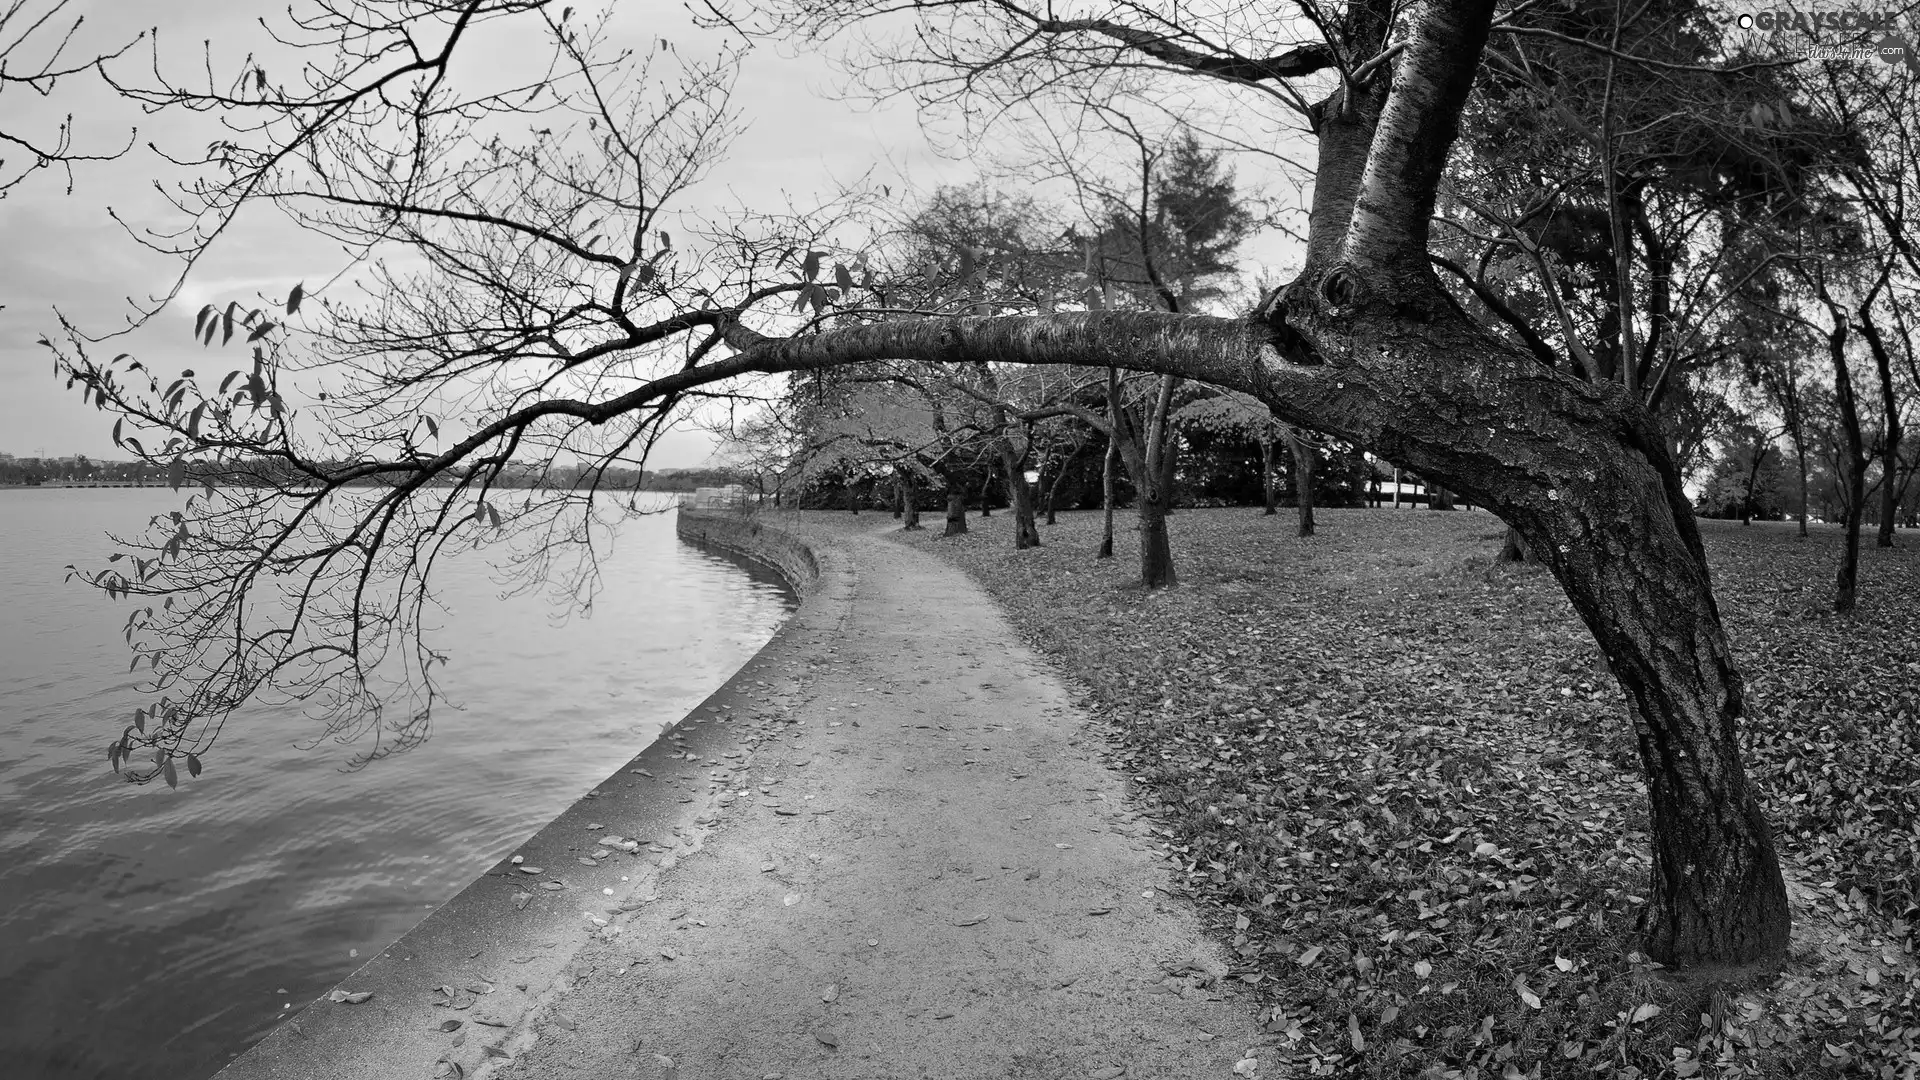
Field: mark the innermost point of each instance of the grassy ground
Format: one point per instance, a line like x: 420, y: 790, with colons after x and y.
x: 1400, y: 785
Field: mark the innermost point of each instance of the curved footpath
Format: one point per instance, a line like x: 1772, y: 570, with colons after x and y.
x: 888, y: 849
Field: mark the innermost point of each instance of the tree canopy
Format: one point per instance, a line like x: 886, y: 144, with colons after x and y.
x: 535, y: 289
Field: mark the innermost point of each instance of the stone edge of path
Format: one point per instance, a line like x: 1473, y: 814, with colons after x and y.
x: 484, y: 944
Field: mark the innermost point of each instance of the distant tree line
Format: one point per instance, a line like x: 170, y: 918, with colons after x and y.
x: 264, y: 471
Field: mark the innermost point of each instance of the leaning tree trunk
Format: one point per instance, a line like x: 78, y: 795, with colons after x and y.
x: 1302, y: 480
x: 1593, y: 491
x: 1366, y: 346
x: 1269, y: 492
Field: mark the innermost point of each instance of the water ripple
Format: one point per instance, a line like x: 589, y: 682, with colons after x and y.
x: 149, y: 933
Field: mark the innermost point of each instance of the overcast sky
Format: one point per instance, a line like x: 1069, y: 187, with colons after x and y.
x: 64, y: 250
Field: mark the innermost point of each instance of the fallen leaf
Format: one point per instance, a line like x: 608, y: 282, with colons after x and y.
x: 1307, y: 958
x: 791, y: 899
x: 1100, y: 911
x: 450, y: 1025
x: 827, y: 1038
x: 520, y: 899
x: 346, y: 997
x: 525, y: 869
x: 830, y: 994
x: 565, y: 1021
x: 975, y: 921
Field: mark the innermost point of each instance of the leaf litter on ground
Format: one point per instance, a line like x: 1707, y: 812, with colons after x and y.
x: 1401, y: 784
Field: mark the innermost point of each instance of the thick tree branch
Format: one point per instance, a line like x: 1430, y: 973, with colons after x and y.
x: 1292, y: 64
x: 1416, y: 129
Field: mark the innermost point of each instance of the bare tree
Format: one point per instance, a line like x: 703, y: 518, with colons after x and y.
x: 1365, y: 345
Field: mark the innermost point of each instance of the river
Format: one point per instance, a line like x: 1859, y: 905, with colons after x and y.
x: 148, y: 932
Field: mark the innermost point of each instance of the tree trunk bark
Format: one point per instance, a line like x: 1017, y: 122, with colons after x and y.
x: 1151, y: 467
x: 1438, y: 498
x: 1268, y: 490
x: 1019, y: 497
x: 1156, y: 552
x: 1846, y: 578
x: 909, y: 503
x: 853, y: 499
x: 956, y: 507
x: 1303, y: 481
x: 899, y: 502
x: 1753, y: 478
x: 1800, y: 451
x: 1890, y: 412
x: 1106, y: 499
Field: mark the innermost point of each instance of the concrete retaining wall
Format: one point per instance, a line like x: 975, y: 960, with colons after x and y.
x: 510, y: 936
x: 748, y: 537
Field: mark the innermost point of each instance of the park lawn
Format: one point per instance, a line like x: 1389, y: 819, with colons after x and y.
x: 1400, y: 785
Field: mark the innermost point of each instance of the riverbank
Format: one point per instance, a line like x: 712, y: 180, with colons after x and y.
x: 889, y: 847
x: 500, y: 942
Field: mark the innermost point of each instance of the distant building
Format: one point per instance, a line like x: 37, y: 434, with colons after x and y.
x: 731, y: 497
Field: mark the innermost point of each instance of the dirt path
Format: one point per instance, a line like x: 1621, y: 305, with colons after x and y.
x: 919, y: 868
